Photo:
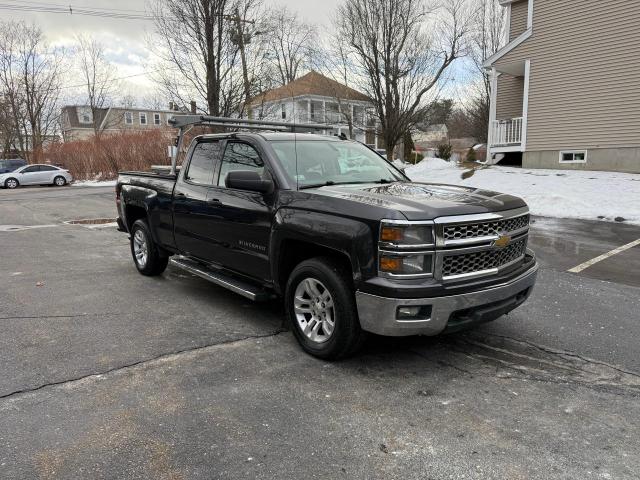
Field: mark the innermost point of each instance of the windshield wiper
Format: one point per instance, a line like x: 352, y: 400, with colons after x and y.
x: 330, y: 182
x: 316, y: 185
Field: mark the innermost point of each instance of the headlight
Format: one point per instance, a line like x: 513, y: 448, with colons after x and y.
x: 407, y: 235
x: 407, y: 264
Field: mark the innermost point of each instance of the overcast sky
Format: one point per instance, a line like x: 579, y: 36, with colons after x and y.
x: 125, y: 39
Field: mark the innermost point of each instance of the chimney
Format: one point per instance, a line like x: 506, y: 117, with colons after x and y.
x: 171, y: 106
x: 193, y: 107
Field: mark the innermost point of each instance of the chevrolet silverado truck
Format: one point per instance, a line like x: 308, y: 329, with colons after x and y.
x: 349, y: 243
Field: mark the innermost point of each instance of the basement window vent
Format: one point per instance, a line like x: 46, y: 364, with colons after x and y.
x: 573, y: 156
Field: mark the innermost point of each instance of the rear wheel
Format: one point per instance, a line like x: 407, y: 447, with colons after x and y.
x: 147, y: 256
x: 59, y: 181
x: 11, y: 183
x: 321, y: 309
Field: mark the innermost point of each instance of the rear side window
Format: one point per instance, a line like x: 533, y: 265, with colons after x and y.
x: 239, y: 156
x: 47, y: 168
x: 203, y: 162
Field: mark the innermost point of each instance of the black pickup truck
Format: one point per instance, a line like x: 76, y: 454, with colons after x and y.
x: 349, y: 242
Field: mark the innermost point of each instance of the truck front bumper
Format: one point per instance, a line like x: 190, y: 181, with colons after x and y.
x: 381, y: 315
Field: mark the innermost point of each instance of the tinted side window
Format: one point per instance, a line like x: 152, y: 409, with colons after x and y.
x: 47, y: 168
x: 34, y: 168
x: 239, y: 156
x: 202, y: 164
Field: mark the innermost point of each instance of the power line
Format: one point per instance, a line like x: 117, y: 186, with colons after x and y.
x: 115, y: 79
x: 76, y: 11
x: 68, y: 6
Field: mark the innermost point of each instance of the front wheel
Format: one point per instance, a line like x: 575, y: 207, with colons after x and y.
x: 11, y: 183
x: 321, y: 308
x: 146, y: 255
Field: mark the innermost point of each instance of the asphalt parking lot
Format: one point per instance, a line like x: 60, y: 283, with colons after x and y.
x: 108, y: 374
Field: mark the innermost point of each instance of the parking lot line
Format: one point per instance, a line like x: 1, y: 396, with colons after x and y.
x: 604, y: 256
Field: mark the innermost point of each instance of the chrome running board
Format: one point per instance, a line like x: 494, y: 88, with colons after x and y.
x: 240, y: 287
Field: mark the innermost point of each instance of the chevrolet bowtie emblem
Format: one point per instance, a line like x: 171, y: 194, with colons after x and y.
x: 502, y: 241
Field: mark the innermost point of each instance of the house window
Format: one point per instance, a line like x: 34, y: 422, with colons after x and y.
x: 283, y: 110
x: 573, y: 156
x: 143, y: 118
x: 156, y: 119
x: 128, y: 118
x: 84, y: 115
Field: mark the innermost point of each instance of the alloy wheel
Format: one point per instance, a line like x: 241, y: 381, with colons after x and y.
x: 314, y: 310
x: 140, y: 248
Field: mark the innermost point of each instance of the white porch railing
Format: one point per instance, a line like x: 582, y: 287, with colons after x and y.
x: 506, y: 132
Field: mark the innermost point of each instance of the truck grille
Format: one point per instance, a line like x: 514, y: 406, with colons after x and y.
x: 467, y: 263
x: 485, y: 229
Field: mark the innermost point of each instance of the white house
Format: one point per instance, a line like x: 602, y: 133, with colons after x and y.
x: 314, y: 98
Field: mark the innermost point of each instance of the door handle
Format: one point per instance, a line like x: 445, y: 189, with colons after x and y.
x: 180, y: 195
x: 215, y: 201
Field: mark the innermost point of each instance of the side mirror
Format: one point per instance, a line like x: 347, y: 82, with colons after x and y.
x: 248, y: 180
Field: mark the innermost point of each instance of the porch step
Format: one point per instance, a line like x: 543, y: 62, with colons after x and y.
x: 246, y: 289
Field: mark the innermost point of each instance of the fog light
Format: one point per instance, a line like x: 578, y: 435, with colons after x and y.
x: 408, y: 311
x: 420, y: 312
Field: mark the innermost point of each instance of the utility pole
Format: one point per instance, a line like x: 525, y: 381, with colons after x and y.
x: 238, y: 38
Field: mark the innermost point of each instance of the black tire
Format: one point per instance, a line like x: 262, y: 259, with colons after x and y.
x: 347, y: 336
x: 9, y: 183
x: 155, y: 262
x: 62, y: 184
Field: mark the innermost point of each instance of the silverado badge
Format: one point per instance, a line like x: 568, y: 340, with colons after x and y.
x: 502, y: 241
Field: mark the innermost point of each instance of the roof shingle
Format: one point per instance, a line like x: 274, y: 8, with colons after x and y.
x: 313, y: 83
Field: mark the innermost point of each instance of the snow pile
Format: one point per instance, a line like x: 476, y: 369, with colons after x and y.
x: 551, y: 193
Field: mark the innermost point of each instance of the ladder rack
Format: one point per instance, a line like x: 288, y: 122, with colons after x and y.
x: 186, y: 122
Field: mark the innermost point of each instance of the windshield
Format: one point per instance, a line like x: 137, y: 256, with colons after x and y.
x: 327, y: 162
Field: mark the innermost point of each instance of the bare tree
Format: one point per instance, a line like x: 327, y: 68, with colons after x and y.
x: 333, y: 61
x: 155, y: 101
x: 7, y: 128
x: 291, y: 43
x: 99, y: 77
x: 489, y: 25
x: 402, y: 49
x: 30, y: 82
x: 199, y: 59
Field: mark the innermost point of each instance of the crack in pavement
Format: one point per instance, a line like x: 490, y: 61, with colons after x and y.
x: 162, y: 356
x: 557, y: 352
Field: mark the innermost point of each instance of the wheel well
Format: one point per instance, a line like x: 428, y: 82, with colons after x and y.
x: 292, y: 252
x: 134, y: 213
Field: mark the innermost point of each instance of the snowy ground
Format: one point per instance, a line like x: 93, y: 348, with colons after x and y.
x: 94, y: 183
x: 551, y: 193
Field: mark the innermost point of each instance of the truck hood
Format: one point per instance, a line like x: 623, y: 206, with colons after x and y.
x: 424, y: 201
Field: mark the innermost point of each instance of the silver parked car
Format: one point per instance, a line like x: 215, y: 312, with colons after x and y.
x: 36, y: 175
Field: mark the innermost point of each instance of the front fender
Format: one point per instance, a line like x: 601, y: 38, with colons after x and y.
x: 347, y: 236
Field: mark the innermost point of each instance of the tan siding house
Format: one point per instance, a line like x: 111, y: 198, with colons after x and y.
x: 79, y: 122
x: 566, y: 95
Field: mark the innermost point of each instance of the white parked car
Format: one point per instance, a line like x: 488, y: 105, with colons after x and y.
x: 36, y: 175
